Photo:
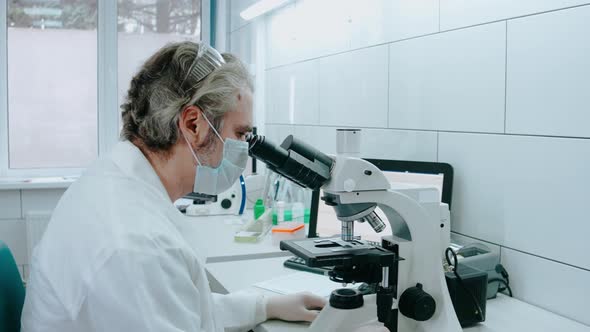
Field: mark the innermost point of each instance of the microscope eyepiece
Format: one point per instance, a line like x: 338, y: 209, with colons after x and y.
x: 294, y: 159
x: 306, y: 150
x: 266, y: 151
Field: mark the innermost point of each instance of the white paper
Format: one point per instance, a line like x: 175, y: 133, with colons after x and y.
x: 301, y: 282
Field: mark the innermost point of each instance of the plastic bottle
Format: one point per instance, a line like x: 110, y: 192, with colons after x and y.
x: 297, y: 212
x: 280, y: 211
x: 258, y: 208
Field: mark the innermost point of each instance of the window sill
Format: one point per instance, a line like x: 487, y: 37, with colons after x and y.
x: 7, y: 183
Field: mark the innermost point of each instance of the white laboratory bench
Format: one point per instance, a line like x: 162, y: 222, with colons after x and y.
x: 235, y: 267
x: 213, y: 237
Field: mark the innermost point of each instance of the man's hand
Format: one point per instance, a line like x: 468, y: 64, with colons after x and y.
x: 295, y: 307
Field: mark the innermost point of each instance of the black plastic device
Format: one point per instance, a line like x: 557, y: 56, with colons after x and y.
x: 474, y: 281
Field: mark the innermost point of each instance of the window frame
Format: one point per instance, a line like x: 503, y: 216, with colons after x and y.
x: 107, y: 90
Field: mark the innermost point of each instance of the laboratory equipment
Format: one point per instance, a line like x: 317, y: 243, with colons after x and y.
x: 468, y: 294
x: 481, y: 257
x: 280, y: 207
x: 348, y: 142
x: 254, y: 189
x: 399, y: 173
x: 258, y: 208
x: 229, y: 202
x: 412, y: 294
x: 255, y: 229
x: 298, y: 263
x: 255, y: 182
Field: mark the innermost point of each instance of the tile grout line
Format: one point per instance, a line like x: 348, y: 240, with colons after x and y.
x: 439, y: 1
x: 526, y: 252
x: 388, y: 83
x: 505, y: 76
x: 319, y: 92
x: 436, y: 130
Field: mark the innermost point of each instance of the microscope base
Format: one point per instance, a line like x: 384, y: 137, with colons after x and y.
x: 331, y: 319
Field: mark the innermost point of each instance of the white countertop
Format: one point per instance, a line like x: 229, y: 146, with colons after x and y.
x: 213, y: 237
x: 503, y: 314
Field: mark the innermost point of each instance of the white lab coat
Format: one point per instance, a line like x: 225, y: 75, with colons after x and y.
x: 112, y: 259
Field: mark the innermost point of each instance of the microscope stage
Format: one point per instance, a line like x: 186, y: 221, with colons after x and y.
x: 318, y: 252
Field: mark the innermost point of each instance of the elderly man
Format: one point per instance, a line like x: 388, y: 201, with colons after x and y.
x: 112, y: 258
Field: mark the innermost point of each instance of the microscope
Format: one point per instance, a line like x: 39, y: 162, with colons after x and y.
x: 406, y: 270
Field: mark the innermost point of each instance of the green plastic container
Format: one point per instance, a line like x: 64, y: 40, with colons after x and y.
x: 258, y: 209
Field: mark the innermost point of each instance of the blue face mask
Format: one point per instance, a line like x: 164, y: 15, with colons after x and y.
x: 215, y: 180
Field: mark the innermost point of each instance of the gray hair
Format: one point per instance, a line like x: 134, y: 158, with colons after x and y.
x: 156, y: 98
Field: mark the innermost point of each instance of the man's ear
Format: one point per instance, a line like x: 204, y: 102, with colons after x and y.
x: 191, y: 124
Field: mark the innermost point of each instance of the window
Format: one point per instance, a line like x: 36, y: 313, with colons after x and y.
x: 57, y: 93
x: 52, y: 77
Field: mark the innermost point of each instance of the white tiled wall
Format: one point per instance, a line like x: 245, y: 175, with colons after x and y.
x: 319, y: 136
x: 462, y: 13
x: 276, y: 133
x: 353, y: 88
x: 293, y: 94
x: 549, y: 71
x: 564, y: 288
x: 523, y: 192
x: 302, y: 30
x: 450, y: 81
x: 381, y: 21
x: 12, y: 223
x: 383, y: 143
x: 281, y: 35
x: 496, y: 88
x: 399, y: 144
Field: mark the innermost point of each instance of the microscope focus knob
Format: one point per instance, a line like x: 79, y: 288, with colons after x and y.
x: 346, y: 298
x: 416, y: 304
